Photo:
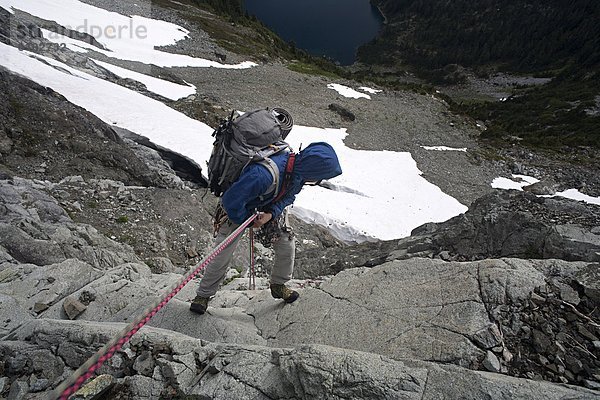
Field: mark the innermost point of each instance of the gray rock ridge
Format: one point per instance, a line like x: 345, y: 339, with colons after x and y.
x: 184, y: 167
x: 183, y: 366
x: 46, y: 137
x: 504, y: 223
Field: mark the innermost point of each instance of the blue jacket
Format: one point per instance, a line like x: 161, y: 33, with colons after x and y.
x: 316, y: 162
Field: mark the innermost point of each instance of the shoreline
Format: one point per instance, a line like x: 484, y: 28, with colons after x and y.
x: 378, y: 7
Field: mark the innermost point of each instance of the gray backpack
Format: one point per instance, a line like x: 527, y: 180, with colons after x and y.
x: 252, y: 137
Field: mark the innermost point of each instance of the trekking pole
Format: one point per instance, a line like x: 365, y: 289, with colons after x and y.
x: 252, y: 277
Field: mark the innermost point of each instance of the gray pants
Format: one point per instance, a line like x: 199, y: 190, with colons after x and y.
x: 283, y: 266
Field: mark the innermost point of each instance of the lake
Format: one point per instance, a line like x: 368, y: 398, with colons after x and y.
x: 330, y: 28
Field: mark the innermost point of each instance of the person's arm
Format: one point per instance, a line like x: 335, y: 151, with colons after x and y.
x: 252, y: 183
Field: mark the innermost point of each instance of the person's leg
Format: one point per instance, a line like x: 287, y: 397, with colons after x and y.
x: 283, y: 264
x: 216, y: 270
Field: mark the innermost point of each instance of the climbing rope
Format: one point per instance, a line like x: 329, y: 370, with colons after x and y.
x: 252, y: 274
x: 83, y: 373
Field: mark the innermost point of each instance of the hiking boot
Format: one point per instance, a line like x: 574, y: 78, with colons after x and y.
x: 283, y: 292
x: 199, y: 305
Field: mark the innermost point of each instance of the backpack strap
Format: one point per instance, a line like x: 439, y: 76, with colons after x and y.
x: 274, y: 170
x: 289, y: 170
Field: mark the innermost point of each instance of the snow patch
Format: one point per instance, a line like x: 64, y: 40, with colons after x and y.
x: 370, y: 90
x: 444, y: 148
x: 518, y: 183
x: 170, y: 90
x: 347, y: 91
x: 575, y: 194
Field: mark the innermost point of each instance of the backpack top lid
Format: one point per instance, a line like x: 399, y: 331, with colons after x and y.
x: 262, y: 127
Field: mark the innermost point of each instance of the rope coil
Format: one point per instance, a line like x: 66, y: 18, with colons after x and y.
x: 83, y: 373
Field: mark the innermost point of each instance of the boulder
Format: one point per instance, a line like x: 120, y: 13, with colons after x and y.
x: 94, y: 389
x: 35, y: 229
x: 343, y: 112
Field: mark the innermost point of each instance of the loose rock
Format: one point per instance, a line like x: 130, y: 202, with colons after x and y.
x: 73, y: 307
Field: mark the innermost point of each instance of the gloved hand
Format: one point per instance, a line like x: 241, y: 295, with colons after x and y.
x: 262, y: 219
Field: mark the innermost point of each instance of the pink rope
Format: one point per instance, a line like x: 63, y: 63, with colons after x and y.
x: 83, y: 373
x: 252, y: 277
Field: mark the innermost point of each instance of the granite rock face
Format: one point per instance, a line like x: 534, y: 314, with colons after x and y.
x: 192, y: 368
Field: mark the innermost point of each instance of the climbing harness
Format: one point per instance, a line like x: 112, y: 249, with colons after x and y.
x: 220, y: 218
x: 71, y: 385
x: 272, y: 231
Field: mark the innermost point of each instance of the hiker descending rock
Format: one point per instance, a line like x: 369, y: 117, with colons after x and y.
x: 259, y: 188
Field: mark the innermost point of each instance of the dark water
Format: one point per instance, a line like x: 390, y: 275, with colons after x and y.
x: 331, y: 28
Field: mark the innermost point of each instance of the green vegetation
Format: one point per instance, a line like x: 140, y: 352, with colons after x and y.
x: 559, y: 40
x: 226, y: 23
x: 122, y: 219
x: 563, y: 112
x: 517, y: 35
x: 311, y: 69
x: 231, y: 8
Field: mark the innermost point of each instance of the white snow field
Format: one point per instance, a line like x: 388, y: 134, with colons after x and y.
x: 384, y: 195
x: 126, y: 38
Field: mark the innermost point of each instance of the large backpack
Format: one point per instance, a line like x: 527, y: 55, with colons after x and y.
x: 240, y: 140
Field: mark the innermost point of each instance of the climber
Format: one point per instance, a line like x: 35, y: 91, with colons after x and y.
x: 249, y: 194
